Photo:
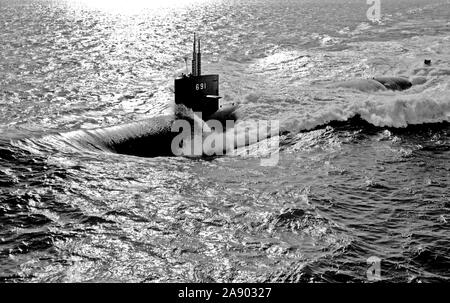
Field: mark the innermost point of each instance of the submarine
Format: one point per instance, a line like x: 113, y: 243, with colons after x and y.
x: 197, y: 100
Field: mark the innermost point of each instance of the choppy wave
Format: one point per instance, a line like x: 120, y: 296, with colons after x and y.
x: 383, y: 111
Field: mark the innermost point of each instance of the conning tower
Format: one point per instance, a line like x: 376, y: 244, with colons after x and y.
x: 196, y: 91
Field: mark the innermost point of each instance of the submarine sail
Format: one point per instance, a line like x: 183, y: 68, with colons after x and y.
x: 196, y: 91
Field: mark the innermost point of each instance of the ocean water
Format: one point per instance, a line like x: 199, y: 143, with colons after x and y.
x: 360, y: 174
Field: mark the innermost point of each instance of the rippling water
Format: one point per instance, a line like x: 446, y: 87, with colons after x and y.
x: 359, y: 175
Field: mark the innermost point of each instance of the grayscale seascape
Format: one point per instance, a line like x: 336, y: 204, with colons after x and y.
x: 360, y: 175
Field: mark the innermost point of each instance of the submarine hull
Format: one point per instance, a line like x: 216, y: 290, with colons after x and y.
x: 376, y: 84
x: 151, y: 137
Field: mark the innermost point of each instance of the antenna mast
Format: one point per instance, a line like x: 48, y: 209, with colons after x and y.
x: 199, y: 60
x: 194, y: 57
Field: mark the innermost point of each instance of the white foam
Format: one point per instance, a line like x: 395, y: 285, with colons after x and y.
x: 383, y: 110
